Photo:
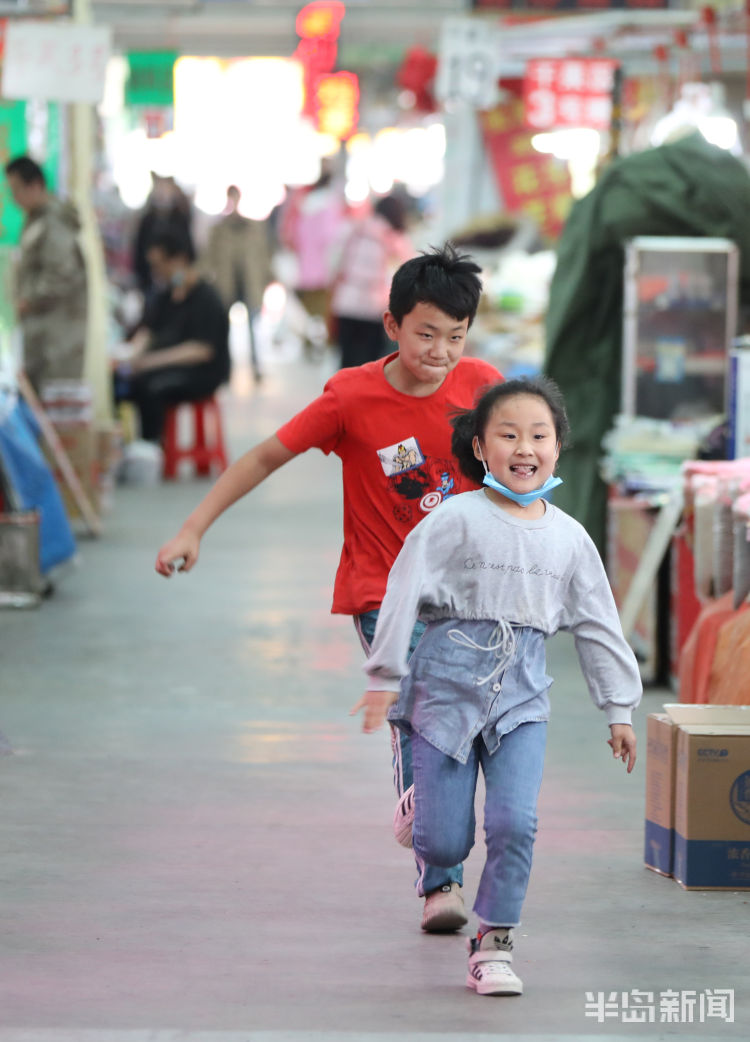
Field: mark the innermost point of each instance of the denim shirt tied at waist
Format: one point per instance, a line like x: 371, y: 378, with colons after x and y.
x: 469, y: 677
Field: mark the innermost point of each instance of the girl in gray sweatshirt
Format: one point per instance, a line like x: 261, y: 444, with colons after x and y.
x: 493, y: 573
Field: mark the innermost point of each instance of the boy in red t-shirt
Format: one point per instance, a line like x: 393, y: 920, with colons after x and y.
x: 388, y: 421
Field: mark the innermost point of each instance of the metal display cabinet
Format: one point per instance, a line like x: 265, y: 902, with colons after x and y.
x: 680, y: 316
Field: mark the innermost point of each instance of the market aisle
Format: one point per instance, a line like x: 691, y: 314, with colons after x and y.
x: 197, y: 837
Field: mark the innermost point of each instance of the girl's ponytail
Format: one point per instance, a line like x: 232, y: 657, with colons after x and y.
x: 464, y: 424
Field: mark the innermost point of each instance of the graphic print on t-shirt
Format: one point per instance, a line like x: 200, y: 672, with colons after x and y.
x: 417, y: 482
x: 404, y: 455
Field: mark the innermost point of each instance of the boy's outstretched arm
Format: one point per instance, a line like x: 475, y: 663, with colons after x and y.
x: 376, y: 705
x: 236, y: 481
x: 623, y: 744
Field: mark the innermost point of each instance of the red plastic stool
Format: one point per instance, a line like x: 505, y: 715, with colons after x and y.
x: 203, y: 453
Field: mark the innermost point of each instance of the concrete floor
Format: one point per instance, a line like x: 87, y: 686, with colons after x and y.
x: 196, y: 837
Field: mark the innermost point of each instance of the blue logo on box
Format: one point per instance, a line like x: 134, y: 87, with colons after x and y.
x: 739, y: 797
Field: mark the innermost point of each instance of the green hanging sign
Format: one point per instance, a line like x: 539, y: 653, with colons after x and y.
x: 151, y: 78
x: 12, y: 144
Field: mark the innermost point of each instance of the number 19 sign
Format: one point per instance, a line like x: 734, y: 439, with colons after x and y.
x: 468, y: 63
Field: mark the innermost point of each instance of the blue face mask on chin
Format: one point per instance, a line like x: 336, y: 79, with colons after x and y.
x: 522, y: 498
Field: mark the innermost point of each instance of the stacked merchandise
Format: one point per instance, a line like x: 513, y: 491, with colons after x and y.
x: 93, y: 448
x: 714, y: 662
x: 642, y: 466
x: 698, y: 796
x: 645, y: 456
x: 68, y: 405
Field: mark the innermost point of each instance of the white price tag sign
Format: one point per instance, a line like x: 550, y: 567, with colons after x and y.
x: 469, y: 62
x: 58, y: 61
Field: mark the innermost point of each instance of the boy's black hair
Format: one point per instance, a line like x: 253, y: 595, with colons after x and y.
x: 442, y: 277
x: 173, y: 242
x: 27, y: 170
x: 469, y: 424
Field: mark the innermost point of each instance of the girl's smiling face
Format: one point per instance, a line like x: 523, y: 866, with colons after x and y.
x: 519, y: 444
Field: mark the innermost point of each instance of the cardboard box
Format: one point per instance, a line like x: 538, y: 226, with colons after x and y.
x: 712, y: 807
x: 661, y: 747
x: 698, y: 795
x: 695, y: 828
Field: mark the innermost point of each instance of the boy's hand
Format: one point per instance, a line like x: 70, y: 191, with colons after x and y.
x: 185, y: 545
x: 623, y: 743
x: 376, y: 705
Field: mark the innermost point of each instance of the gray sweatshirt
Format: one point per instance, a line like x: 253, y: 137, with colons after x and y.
x: 472, y: 560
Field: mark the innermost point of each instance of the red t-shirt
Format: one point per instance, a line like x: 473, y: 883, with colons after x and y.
x: 397, y: 464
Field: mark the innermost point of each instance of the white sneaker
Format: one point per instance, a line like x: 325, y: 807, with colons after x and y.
x: 444, y: 910
x: 403, y: 819
x: 490, y: 972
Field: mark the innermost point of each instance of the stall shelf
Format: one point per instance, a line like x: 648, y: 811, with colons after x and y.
x: 679, y: 319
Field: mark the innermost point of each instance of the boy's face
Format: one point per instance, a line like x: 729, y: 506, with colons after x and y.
x: 430, y: 342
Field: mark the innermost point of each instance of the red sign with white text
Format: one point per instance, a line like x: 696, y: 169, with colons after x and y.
x: 569, y: 92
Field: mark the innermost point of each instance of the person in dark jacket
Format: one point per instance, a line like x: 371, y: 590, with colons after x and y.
x: 180, y: 350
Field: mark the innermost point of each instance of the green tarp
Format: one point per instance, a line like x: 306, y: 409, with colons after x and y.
x: 685, y: 188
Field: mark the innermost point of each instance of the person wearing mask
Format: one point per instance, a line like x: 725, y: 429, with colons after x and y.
x: 50, y: 280
x: 492, y: 574
x: 180, y: 350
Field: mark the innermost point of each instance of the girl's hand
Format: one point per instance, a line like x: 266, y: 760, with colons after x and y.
x: 376, y: 705
x: 185, y: 546
x: 623, y: 743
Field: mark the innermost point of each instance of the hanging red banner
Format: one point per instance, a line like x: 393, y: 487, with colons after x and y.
x: 569, y: 92
x: 530, y: 182
x: 331, y: 98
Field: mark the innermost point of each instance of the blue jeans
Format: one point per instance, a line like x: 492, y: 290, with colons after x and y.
x: 444, y: 820
x: 430, y: 877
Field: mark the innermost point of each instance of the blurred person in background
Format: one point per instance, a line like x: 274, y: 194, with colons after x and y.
x: 311, y: 225
x: 372, y: 251
x: 50, y: 280
x: 180, y: 350
x: 167, y: 209
x: 237, y: 261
